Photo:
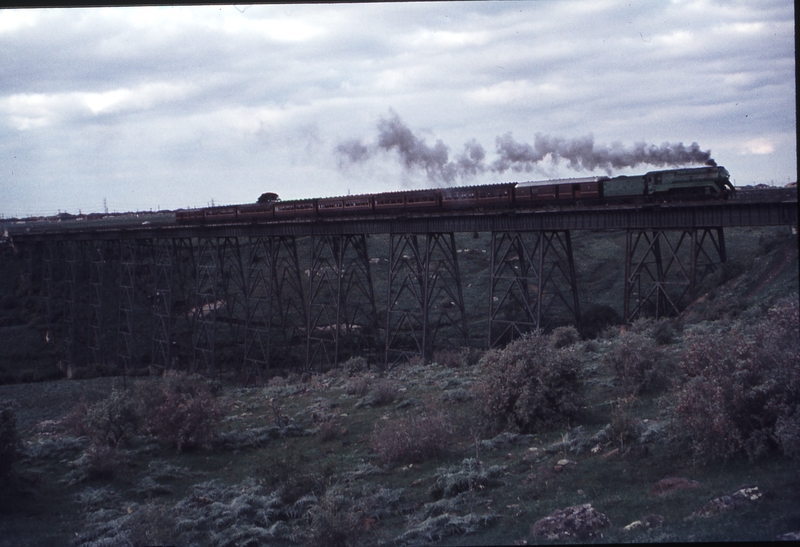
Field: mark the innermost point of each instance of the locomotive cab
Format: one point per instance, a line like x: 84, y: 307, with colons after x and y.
x: 700, y: 181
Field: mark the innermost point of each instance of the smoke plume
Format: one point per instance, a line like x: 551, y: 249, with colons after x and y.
x: 579, y: 154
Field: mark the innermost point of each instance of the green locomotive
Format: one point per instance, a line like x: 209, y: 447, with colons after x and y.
x: 691, y: 182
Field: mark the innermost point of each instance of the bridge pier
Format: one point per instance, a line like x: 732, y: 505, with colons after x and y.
x: 97, y: 277
x: 128, y: 352
x: 423, y: 279
x: 341, y: 301
x: 532, y: 273
x: 218, y: 263
x: 274, y: 304
x: 663, y: 268
x: 165, y: 255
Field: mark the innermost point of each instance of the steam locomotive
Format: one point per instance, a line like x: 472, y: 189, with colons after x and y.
x: 655, y: 186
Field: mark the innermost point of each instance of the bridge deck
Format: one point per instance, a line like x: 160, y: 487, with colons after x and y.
x: 773, y: 208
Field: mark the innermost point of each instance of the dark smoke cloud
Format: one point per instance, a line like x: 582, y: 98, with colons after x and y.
x: 582, y: 153
x: 579, y: 154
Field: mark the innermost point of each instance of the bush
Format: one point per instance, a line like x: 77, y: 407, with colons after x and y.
x: 352, y: 517
x: 635, y: 359
x: 470, y: 475
x: 185, y: 412
x: 382, y: 393
x: 598, y: 318
x: 664, y: 332
x: 564, y: 336
x: 115, y: 420
x: 74, y: 421
x: 335, y: 522
x: 448, y: 358
x: 355, y: 365
x: 661, y: 330
x: 529, y: 385
x: 741, y: 395
x: 623, y: 428
x: 464, y: 357
x: 10, y: 441
x: 358, y: 386
x: 100, y: 461
x: 181, y: 410
x: 413, y: 438
x: 330, y: 429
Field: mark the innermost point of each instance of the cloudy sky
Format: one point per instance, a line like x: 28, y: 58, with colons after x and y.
x: 166, y: 107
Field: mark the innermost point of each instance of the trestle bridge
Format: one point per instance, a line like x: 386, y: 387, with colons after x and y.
x: 305, y: 294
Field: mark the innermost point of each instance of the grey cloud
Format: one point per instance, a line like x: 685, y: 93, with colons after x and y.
x: 642, y: 73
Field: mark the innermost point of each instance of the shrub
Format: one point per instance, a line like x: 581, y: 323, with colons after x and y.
x: 355, y: 365
x: 115, y: 420
x: 464, y: 357
x: 448, y: 358
x: 564, y: 336
x: 74, y: 421
x: 383, y: 392
x: 100, y: 461
x: 529, y: 385
x: 623, y: 428
x: 413, y: 438
x: 358, y: 386
x: 190, y: 384
x: 597, y: 318
x: 185, y: 413
x: 351, y: 517
x: 741, y: 395
x: 664, y: 332
x: 635, y: 359
x: 330, y: 429
x: 470, y: 475
x: 9, y: 437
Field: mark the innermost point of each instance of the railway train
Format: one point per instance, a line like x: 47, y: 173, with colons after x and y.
x: 655, y: 186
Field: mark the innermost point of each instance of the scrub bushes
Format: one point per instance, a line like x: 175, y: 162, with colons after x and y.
x: 413, y: 438
x: 741, y: 394
x: 529, y: 386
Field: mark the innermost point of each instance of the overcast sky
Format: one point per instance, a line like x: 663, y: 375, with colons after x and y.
x: 169, y: 107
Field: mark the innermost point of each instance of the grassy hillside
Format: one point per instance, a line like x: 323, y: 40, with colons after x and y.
x: 412, y: 456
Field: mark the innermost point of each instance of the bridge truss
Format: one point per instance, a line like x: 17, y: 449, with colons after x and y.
x: 244, y: 300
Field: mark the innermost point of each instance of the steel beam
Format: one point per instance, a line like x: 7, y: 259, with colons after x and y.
x: 532, y: 282
x: 341, y: 304
x: 207, y: 302
x: 127, y: 347
x: 275, y: 308
x: 69, y: 300
x: 424, y: 296
x: 97, y: 278
x: 48, y: 289
x: 664, y: 267
x: 161, y: 351
x: 260, y: 301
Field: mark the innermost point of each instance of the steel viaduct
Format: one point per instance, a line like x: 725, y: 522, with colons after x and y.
x: 303, y: 293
